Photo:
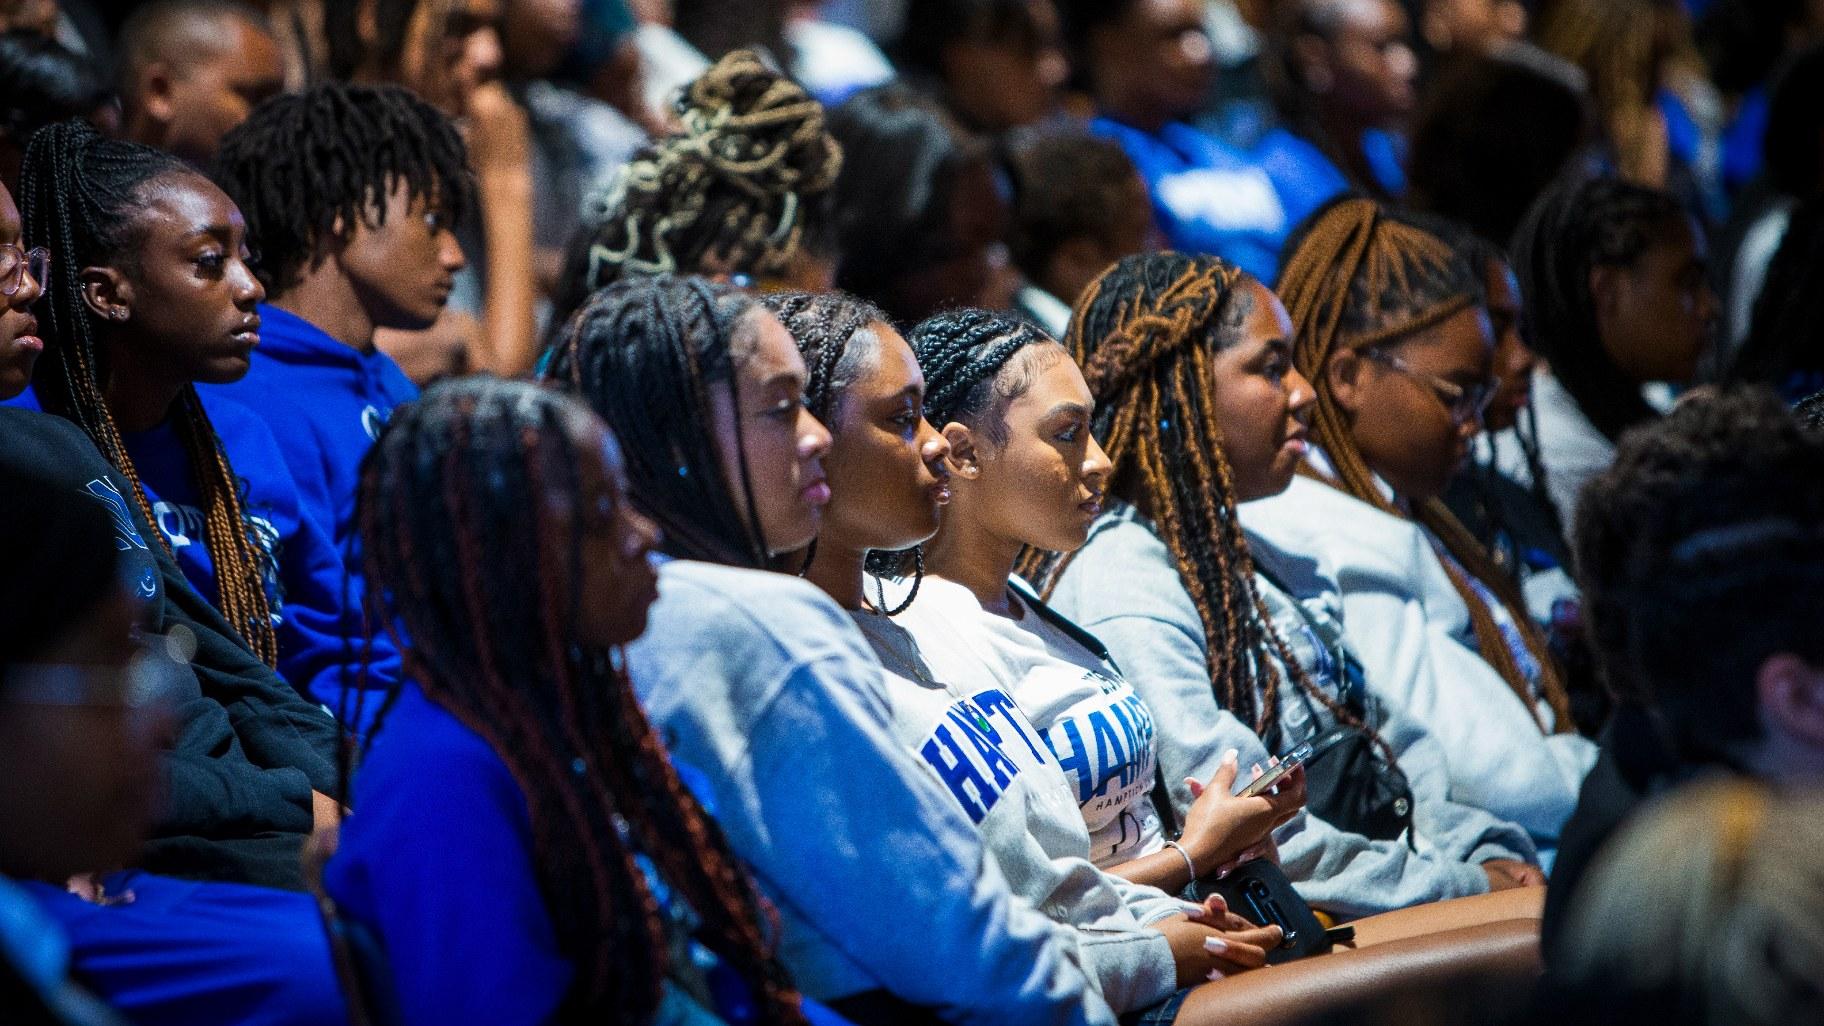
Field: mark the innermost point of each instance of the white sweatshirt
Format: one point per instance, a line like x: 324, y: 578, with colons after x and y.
x: 763, y: 685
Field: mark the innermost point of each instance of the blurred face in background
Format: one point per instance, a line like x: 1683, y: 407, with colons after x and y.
x: 1155, y: 62
x: 1364, y: 66
x: 997, y: 80
x: 452, y: 48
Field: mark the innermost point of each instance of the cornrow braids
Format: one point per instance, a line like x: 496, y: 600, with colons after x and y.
x: 831, y: 329
x: 729, y: 193
x: 971, y: 376
x: 1572, y: 229
x: 467, y: 567
x: 645, y: 353
x: 80, y: 195
x: 1355, y: 277
x: 1145, y: 333
x: 306, y: 168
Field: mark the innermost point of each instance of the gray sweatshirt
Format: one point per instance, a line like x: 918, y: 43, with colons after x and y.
x: 1124, y: 587
x: 763, y: 684
x: 977, y: 742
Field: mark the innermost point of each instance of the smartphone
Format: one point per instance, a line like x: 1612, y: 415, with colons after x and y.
x: 1287, y: 763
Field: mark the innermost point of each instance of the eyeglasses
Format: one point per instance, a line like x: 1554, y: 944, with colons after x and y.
x: 15, y: 262
x: 1464, y: 403
x: 152, y: 678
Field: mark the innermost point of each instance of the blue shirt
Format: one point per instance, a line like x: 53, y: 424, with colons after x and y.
x: 1307, y: 179
x: 438, y: 861
x: 320, y: 634
x: 325, y: 403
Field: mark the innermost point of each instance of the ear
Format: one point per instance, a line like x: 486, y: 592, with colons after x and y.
x: 107, y: 292
x: 1344, y: 373
x: 155, y: 91
x: 1791, y: 693
x: 965, y: 460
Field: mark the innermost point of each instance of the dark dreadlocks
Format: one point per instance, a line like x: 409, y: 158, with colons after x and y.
x: 461, y: 559
x: 1356, y: 277
x: 645, y: 353
x: 306, y: 168
x: 81, y: 196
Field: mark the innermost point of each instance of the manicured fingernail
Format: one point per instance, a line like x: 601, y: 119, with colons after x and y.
x: 1215, y: 974
x: 1232, y: 755
x: 1215, y: 945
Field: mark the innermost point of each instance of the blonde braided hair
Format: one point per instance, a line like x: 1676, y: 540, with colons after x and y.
x: 1358, y: 278
x: 731, y: 187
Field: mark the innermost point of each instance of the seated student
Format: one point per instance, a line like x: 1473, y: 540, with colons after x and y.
x: 920, y: 208
x: 350, y: 195
x: 1701, y: 563
x: 1777, y: 352
x: 1613, y: 277
x: 248, y: 773
x: 515, y: 769
x: 190, y: 70
x: 1147, y: 67
x: 1388, y: 328
x: 41, y: 83
x: 241, y: 752
x: 154, y: 298
x: 1079, y: 205
x: 995, y: 65
x: 765, y: 686
x: 85, y: 700
x: 1342, y: 74
x: 1258, y: 660
x: 888, y: 484
x: 685, y: 207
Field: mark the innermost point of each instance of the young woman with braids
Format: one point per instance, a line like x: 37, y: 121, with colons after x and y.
x: 735, y: 192
x: 522, y: 846
x: 1234, y: 644
x: 1617, y: 297
x: 887, y: 906
x: 888, y: 486
x: 1389, y: 329
x: 153, y: 299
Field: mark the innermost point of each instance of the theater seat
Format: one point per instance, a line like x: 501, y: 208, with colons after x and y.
x: 1500, y: 959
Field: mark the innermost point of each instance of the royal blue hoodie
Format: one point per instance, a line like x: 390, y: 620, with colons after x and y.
x: 325, y: 403
x: 320, y: 634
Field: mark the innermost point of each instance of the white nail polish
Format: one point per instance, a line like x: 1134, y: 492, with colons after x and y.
x: 1216, y: 974
x: 1215, y: 945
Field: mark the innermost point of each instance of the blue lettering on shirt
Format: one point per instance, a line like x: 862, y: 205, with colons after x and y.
x: 1074, y: 759
x: 977, y: 772
x: 1123, y: 732
x: 998, y: 706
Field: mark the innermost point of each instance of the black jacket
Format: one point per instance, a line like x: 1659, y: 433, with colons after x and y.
x: 249, y: 750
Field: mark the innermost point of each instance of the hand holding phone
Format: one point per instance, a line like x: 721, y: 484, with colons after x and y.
x: 1292, y: 760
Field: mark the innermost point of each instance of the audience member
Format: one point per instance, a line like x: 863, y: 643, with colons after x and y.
x: 42, y: 83
x: 1613, y: 277
x: 1492, y: 133
x: 738, y: 191
x: 1230, y: 658
x: 1699, y: 556
x: 190, y: 70
x: 1623, y: 48
x: 1147, y: 67
x: 1780, y: 350
x: 831, y: 59
x: 537, y: 572
x: 1389, y: 329
x: 1343, y: 76
x: 887, y: 487
x: 920, y: 208
x: 351, y: 194
x: 156, y: 299
x: 1079, y: 205
x: 995, y: 65
x: 772, y: 693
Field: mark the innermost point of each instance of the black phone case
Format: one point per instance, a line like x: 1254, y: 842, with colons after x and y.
x: 1259, y: 892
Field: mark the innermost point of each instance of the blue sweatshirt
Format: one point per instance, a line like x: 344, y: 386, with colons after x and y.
x: 437, y: 860
x: 320, y: 633
x: 325, y: 403
x: 1306, y: 179
x: 1208, y: 196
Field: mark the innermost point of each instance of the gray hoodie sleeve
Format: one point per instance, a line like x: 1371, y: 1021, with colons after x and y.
x: 879, y: 881
x: 1123, y: 588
